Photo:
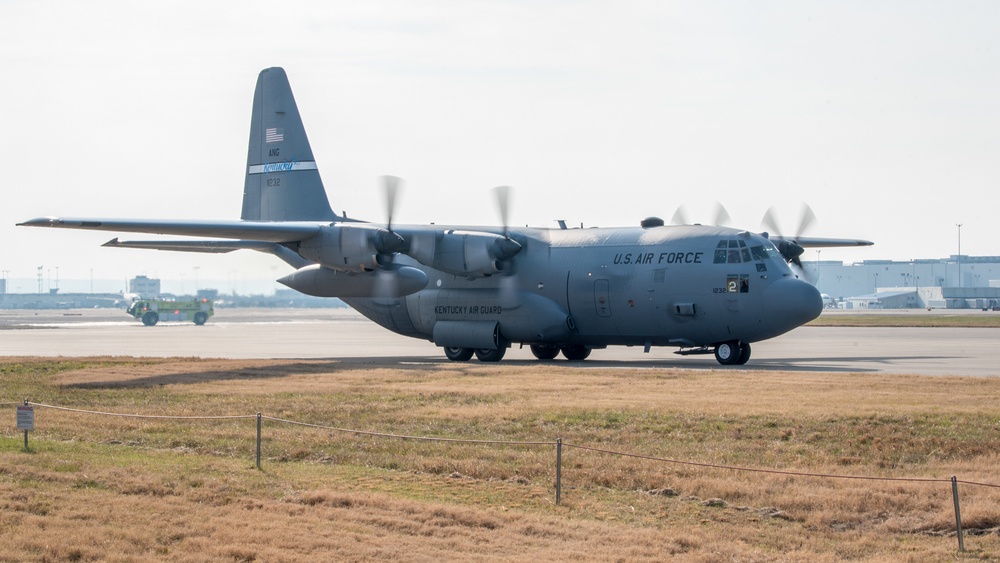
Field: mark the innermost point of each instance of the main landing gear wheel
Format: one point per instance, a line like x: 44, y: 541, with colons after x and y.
x: 544, y: 352
x: 744, y: 353
x: 458, y: 354
x: 200, y: 318
x: 487, y: 355
x: 575, y: 352
x: 150, y: 318
x: 732, y: 353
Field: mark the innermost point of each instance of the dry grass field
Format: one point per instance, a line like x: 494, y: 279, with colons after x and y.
x: 113, y: 488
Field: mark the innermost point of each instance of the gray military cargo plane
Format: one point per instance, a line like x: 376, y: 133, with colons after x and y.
x: 476, y: 290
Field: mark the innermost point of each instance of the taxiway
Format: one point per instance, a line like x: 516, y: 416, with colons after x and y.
x: 346, y: 335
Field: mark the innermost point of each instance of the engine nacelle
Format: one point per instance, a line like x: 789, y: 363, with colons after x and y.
x: 349, y: 248
x: 463, y: 253
x: 390, y: 281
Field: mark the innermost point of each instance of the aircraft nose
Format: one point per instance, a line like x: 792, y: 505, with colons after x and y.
x: 791, y: 302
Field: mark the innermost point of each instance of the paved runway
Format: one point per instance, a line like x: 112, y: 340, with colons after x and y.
x: 344, y: 334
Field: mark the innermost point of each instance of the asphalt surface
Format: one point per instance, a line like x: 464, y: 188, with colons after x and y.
x: 346, y: 335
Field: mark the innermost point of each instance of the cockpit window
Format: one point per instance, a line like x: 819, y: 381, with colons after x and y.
x: 720, y: 252
x: 736, y: 251
x: 729, y: 252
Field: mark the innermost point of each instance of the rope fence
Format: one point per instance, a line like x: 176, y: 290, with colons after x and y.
x: 558, y: 444
x: 127, y: 415
x: 755, y: 470
x: 405, y: 437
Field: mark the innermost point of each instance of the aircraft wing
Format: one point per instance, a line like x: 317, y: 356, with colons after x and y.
x: 283, y: 231
x: 815, y: 242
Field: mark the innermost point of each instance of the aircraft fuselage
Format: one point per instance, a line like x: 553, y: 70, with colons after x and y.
x: 683, y: 286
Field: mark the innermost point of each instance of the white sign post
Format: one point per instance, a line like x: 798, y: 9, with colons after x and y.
x: 25, y: 420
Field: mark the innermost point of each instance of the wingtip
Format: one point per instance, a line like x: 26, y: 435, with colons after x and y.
x: 37, y: 222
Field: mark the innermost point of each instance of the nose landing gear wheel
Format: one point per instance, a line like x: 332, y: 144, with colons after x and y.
x: 730, y: 353
x: 744, y: 353
x: 458, y: 354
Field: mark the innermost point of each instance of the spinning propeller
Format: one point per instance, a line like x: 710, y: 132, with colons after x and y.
x: 722, y: 218
x: 789, y: 247
x: 505, y: 249
x: 388, y: 243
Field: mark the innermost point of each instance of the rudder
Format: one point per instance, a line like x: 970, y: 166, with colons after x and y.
x: 282, y: 180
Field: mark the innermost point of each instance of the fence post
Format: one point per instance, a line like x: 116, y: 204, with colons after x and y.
x: 558, y: 470
x: 258, y: 440
x: 958, y: 514
x: 26, y: 431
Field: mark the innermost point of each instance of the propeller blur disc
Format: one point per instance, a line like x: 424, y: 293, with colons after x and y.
x: 391, y: 185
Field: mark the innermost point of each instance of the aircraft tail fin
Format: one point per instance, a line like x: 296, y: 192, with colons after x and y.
x: 282, y: 181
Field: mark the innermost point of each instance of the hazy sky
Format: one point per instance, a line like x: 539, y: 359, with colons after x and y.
x: 883, y: 116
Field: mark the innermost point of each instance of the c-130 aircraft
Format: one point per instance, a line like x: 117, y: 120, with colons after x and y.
x: 476, y: 290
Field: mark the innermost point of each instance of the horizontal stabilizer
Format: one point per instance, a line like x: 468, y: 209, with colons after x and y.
x: 214, y: 247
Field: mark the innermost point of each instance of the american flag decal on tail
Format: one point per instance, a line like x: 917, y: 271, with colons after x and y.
x: 274, y: 135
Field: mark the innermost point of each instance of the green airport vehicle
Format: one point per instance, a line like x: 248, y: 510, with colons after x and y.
x: 152, y: 311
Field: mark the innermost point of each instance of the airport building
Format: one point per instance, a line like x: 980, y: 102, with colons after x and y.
x: 56, y: 300
x: 148, y: 288
x: 956, y: 282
